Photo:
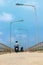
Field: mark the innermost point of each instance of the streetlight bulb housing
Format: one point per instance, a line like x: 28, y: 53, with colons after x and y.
x: 19, y: 4
x: 20, y: 21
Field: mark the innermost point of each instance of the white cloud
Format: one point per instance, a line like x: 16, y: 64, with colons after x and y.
x: 6, y: 17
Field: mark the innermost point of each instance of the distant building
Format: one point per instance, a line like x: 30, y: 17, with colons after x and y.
x: 4, y: 48
x: 37, y: 47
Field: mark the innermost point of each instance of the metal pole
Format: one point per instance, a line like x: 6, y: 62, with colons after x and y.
x: 10, y: 37
x: 11, y: 32
x: 36, y: 20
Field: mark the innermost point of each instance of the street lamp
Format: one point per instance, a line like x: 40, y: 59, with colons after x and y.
x: 36, y: 20
x: 18, y: 4
x: 11, y: 30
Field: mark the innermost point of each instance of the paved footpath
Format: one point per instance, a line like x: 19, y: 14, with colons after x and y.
x: 24, y: 58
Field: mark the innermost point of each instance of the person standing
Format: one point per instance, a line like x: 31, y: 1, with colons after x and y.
x: 16, y: 46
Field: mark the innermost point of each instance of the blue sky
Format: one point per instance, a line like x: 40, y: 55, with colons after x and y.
x: 24, y: 32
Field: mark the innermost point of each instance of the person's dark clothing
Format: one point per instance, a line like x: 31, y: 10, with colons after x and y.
x: 17, y: 48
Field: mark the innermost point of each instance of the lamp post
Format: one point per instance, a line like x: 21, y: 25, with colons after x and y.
x: 11, y: 31
x: 36, y: 20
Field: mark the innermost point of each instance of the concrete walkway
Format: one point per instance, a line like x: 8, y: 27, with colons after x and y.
x: 24, y: 58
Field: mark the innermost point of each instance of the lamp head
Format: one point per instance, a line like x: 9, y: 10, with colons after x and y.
x: 19, y: 4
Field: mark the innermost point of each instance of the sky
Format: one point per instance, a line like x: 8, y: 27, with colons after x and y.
x: 25, y: 32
